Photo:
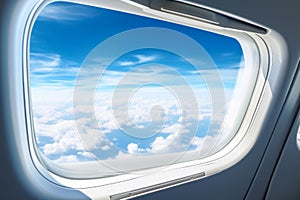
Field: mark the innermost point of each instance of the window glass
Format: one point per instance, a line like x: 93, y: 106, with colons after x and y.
x: 108, y: 85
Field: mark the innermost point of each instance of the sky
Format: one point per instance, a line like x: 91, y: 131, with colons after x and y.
x: 147, y: 100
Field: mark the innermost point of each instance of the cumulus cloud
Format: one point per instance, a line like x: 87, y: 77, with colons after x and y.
x: 91, y: 135
x: 133, y: 148
x: 64, y: 139
x: 175, y: 142
x: 178, y: 141
x: 54, y: 119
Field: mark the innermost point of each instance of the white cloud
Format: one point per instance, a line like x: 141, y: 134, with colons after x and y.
x: 44, y: 62
x: 50, y: 66
x: 133, y: 148
x: 145, y: 58
x: 175, y: 142
x: 171, y: 128
x: 71, y: 12
x: 55, y: 120
x: 160, y: 144
x: 65, y: 139
x: 140, y: 59
x: 127, y: 63
x: 67, y: 159
x: 53, y: 115
x: 91, y: 135
x: 86, y: 154
x: 105, y: 148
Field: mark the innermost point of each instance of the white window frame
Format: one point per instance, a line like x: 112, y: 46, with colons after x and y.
x: 130, y: 184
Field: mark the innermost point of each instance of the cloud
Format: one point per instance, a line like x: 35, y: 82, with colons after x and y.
x: 52, y: 62
x: 105, y: 148
x: 44, y: 62
x: 64, y: 139
x: 91, y: 135
x: 135, y: 78
x: 54, y: 119
x: 126, y: 63
x: 86, y: 154
x: 178, y: 141
x: 172, y: 128
x: 133, y: 148
x: 146, y: 58
x: 138, y: 59
x: 50, y: 69
x: 67, y: 159
x: 175, y: 142
x: 65, y: 12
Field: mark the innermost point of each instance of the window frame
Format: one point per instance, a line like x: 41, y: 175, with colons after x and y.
x: 232, y: 153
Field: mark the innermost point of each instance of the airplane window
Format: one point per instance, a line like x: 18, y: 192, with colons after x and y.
x: 110, y: 87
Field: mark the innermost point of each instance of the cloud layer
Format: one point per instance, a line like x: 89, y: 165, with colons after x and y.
x: 63, y: 138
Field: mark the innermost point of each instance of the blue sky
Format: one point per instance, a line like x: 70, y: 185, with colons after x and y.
x: 63, y: 36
